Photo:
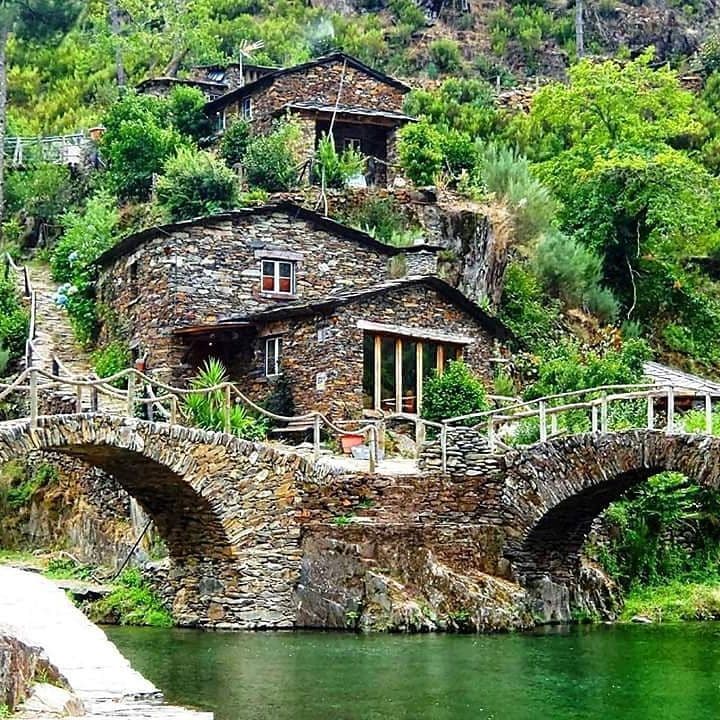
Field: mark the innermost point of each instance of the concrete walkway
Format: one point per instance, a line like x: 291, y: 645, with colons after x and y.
x: 37, y: 612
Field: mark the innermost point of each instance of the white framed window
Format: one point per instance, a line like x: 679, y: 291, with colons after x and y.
x: 246, y: 108
x: 278, y: 276
x: 352, y: 143
x: 273, y: 354
x: 220, y: 121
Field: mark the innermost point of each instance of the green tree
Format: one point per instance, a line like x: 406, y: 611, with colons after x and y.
x: 453, y: 393
x: 421, y: 154
x: 271, y: 161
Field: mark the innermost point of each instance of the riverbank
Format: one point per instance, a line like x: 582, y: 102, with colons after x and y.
x: 675, y: 601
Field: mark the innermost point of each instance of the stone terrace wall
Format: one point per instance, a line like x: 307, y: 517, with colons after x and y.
x: 467, y: 454
x: 204, y: 273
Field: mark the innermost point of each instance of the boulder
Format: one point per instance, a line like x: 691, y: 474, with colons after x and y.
x: 46, y: 699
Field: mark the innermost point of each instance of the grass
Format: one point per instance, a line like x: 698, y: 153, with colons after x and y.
x: 674, y: 601
x: 132, y: 602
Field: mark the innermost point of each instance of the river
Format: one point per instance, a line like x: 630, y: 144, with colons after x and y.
x: 580, y: 673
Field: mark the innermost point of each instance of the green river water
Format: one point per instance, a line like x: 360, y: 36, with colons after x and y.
x: 583, y: 673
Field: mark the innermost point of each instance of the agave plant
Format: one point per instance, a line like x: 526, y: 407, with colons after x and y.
x: 207, y: 408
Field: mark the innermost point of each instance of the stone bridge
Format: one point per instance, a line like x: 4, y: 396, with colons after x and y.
x: 262, y: 538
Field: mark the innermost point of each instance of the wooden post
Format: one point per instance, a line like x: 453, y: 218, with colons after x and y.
x: 594, y: 418
x: 604, y: 413
x: 228, y: 404
x: 443, y: 447
x: 670, y: 409
x: 419, y: 436
x: 130, y: 408
x: 94, y: 399
x: 316, y: 435
x: 553, y: 424
x: 708, y: 415
x: 651, y: 412
x: 78, y: 399
x: 373, y: 454
x: 173, y: 410
x: 491, y: 434
x: 33, y: 398
x: 542, y: 409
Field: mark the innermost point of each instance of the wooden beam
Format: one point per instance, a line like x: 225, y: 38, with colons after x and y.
x: 377, y: 373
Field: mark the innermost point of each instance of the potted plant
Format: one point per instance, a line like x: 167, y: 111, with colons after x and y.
x: 350, y: 440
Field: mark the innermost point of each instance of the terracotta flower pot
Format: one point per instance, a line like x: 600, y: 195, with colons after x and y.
x: 351, y: 440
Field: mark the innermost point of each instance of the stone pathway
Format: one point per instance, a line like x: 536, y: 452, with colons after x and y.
x: 35, y: 611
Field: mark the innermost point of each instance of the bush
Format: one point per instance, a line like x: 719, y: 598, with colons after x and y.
x: 209, y: 411
x: 454, y: 392
x: 271, y: 161
x: 445, y: 55
x: 112, y: 359
x: 709, y: 54
x: 380, y: 217
x: 14, y: 321
x: 186, y: 106
x: 234, y: 142
x: 87, y: 235
x: 196, y: 183
x: 335, y: 168
x: 420, y: 151
x: 138, y: 139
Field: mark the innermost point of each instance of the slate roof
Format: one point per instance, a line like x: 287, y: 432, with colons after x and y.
x: 325, y: 60
x: 131, y: 242
x: 299, y: 308
x: 666, y: 375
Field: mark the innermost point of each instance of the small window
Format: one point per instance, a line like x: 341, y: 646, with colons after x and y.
x: 352, y: 144
x: 220, y: 121
x: 278, y: 276
x: 133, y: 279
x: 246, y: 108
x: 273, y: 352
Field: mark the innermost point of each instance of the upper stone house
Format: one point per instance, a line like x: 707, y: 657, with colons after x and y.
x: 212, y: 80
x: 363, y: 106
x: 352, y: 323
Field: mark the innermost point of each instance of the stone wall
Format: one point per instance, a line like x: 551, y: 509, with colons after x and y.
x: 339, y: 354
x: 467, y: 454
x: 209, y: 271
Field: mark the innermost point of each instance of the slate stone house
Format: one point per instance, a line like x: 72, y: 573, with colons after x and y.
x: 364, y: 106
x: 352, y: 323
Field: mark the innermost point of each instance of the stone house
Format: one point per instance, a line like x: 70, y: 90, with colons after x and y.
x: 364, y: 107
x: 352, y: 323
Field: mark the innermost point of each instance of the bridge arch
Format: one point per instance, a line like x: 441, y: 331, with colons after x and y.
x: 559, y: 487
x: 224, y: 506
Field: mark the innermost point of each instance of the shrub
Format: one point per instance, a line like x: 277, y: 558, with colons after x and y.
x: 408, y: 14
x: 186, y: 106
x: 196, y: 183
x: 420, y: 151
x: 381, y: 217
x: 234, y: 142
x: 334, y: 168
x: 13, y: 322
x: 454, y: 392
x: 138, y: 139
x: 87, y: 235
x: 709, y: 54
x: 112, y: 359
x: 208, y: 410
x: 280, y: 401
x: 445, y: 55
x: 271, y: 161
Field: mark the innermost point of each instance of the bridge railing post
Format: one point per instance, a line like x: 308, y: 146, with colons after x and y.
x: 443, y: 447
x: 604, y: 413
x: 94, y: 399
x: 316, y: 435
x: 419, y: 436
x: 373, y: 449
x: 651, y: 412
x: 594, y: 418
x: 553, y: 424
x: 708, y: 415
x: 78, y: 399
x: 542, y: 409
x: 228, y: 407
x: 33, y: 398
x: 670, y: 409
x: 491, y: 434
x: 173, y: 410
x: 130, y: 408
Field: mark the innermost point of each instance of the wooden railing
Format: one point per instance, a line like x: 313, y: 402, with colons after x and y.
x: 595, y: 406
x: 22, y: 274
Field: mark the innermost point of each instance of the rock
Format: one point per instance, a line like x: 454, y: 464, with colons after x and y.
x: 18, y: 663
x: 641, y: 620
x: 48, y: 699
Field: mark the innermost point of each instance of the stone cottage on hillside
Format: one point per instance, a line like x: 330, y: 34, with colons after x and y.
x: 352, y: 323
x: 363, y: 106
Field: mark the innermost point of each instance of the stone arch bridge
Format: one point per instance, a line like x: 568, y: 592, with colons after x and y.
x: 236, y: 516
